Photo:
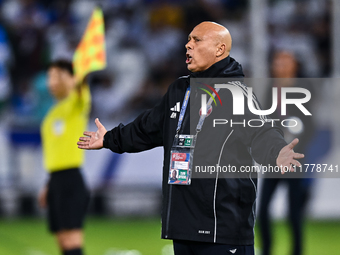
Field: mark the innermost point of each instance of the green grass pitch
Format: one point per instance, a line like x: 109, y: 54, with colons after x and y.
x: 107, y: 236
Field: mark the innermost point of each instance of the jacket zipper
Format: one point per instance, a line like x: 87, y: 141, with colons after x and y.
x: 169, y: 204
x: 168, y: 213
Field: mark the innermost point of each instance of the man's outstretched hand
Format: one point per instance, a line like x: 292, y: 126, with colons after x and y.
x: 287, y: 157
x: 93, y: 140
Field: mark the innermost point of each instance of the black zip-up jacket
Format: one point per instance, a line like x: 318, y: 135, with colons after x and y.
x: 215, y: 210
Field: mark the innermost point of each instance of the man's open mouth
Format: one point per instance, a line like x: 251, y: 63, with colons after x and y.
x: 189, y: 58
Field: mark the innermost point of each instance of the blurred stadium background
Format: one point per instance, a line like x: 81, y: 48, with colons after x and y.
x: 145, y: 48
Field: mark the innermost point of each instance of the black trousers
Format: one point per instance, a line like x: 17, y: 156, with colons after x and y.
x: 200, y: 248
x: 296, y: 202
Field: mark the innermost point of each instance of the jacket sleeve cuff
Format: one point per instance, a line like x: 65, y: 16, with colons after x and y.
x: 106, y: 140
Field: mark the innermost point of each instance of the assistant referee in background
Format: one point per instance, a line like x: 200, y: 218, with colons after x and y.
x: 65, y: 195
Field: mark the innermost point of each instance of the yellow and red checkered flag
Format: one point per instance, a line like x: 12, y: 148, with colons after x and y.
x: 90, y: 54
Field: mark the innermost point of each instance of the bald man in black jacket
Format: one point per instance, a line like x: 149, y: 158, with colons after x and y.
x: 211, y: 215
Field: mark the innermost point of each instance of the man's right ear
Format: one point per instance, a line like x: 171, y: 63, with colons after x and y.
x: 221, y: 50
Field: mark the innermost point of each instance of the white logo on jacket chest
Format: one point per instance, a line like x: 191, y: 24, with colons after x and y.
x: 173, y: 115
x: 175, y: 109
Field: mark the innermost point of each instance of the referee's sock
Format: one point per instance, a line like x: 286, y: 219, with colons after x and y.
x: 77, y: 251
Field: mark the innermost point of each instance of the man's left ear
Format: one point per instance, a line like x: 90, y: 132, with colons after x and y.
x: 220, y: 50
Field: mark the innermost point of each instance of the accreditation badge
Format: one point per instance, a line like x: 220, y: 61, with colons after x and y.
x: 182, y: 153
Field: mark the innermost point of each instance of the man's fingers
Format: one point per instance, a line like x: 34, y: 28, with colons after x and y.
x: 88, y: 133
x: 296, y: 163
x: 293, y: 143
x: 84, y: 142
x: 84, y: 139
x: 289, y: 167
x: 83, y: 145
x: 298, y: 155
x: 98, y: 124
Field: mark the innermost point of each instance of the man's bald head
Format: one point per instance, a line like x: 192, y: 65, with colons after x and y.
x: 208, y: 43
x: 219, y: 33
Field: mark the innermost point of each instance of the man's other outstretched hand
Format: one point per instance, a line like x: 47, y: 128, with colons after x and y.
x: 93, y: 140
x: 287, y: 157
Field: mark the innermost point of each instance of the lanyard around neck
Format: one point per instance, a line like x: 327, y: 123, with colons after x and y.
x: 183, y: 109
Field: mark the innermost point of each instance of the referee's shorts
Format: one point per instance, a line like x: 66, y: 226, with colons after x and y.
x: 67, y: 200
